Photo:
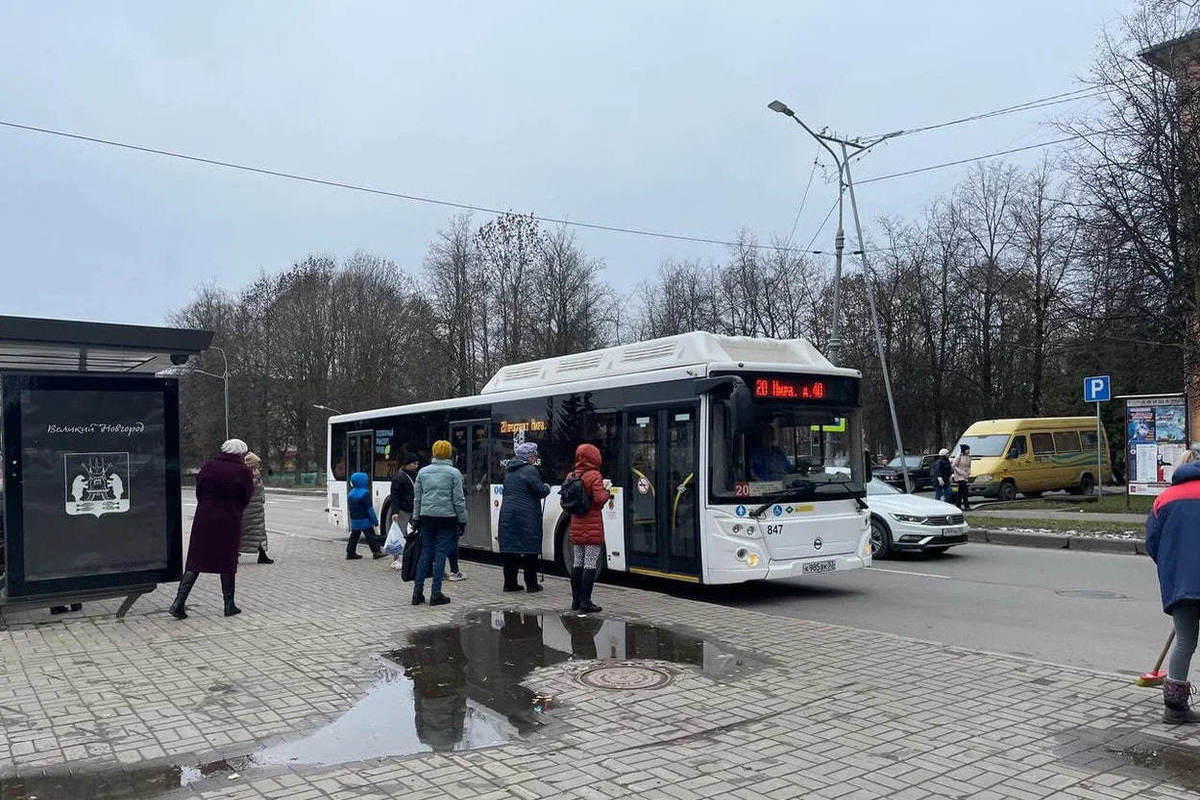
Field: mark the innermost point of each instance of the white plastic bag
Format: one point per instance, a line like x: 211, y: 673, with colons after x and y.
x: 394, y: 545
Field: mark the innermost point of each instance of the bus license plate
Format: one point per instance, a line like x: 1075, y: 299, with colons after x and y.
x: 820, y: 566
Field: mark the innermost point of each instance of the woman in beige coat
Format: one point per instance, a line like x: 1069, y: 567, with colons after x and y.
x: 254, y: 518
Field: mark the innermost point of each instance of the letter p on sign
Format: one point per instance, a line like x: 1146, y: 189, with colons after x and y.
x: 1096, y: 389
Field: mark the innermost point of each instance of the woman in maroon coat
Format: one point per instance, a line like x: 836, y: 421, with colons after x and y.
x: 223, y: 488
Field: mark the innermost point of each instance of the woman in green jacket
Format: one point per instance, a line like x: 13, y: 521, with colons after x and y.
x: 439, y: 512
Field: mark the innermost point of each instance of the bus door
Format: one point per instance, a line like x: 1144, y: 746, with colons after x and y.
x: 662, y: 535
x: 472, y: 449
x: 360, y: 455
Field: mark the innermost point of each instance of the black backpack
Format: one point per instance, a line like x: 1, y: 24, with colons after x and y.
x: 574, y: 496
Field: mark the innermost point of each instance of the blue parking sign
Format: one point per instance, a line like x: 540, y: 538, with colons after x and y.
x: 1096, y: 389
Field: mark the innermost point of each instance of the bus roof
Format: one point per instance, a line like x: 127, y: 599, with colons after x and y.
x: 688, y: 349
x: 688, y: 355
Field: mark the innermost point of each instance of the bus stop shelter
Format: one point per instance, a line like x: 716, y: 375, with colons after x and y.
x: 90, y: 438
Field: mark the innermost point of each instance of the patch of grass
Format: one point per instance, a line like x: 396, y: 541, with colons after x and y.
x: 1108, y: 504
x: 1083, y: 526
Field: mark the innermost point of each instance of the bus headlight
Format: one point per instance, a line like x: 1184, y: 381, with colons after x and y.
x: 984, y: 478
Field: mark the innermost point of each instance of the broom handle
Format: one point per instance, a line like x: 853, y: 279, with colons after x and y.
x: 1162, y: 656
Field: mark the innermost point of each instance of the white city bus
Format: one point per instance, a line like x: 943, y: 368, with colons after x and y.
x: 732, y: 459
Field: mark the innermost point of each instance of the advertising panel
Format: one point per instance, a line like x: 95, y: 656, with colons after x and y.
x: 1155, y: 438
x: 93, y: 482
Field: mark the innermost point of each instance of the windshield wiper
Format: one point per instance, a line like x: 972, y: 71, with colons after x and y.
x: 780, y: 494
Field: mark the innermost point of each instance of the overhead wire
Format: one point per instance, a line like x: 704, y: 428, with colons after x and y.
x: 1030, y: 105
x: 803, y: 200
x: 337, y: 184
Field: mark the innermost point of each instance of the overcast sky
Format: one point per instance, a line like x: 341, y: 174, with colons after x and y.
x: 649, y: 115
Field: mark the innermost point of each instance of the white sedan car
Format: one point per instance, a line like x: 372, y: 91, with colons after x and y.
x: 902, y: 521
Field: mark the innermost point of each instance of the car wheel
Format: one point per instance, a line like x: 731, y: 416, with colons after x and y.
x: 1008, y: 491
x: 881, y: 539
x: 1087, y: 484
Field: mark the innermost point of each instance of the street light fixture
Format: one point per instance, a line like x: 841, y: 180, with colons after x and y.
x: 184, y: 369
x: 327, y: 408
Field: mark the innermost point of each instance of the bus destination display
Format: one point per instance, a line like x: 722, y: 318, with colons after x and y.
x: 835, y: 390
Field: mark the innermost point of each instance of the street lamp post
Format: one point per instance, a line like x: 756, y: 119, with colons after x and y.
x: 839, y: 239
x: 846, y: 182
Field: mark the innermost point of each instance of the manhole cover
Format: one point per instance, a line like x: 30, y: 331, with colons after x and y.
x: 625, y: 677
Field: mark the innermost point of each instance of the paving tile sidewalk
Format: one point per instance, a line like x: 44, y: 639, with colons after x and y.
x: 832, y: 712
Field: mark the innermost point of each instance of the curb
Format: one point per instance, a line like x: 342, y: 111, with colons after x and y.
x: 1057, y: 541
x: 308, y: 492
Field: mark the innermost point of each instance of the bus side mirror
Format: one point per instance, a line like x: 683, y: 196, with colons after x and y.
x: 741, y: 402
x: 741, y: 405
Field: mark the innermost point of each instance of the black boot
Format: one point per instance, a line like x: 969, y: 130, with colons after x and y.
x: 227, y: 593
x: 352, y: 545
x: 511, y: 568
x: 1177, y: 708
x: 576, y: 587
x: 530, y: 563
x: 263, y: 558
x: 186, y: 582
x: 585, y: 592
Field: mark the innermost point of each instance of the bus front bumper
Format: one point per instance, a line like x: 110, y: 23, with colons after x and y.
x: 792, y: 568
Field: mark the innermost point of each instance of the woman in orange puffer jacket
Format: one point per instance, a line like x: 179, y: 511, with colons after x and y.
x: 587, y: 529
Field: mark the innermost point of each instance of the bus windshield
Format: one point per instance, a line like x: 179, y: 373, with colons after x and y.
x: 794, y: 452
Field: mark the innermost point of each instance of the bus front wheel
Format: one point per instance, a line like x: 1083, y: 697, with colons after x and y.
x: 1008, y: 491
x: 1087, y: 484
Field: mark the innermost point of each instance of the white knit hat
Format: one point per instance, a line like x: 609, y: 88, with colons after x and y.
x: 235, y: 447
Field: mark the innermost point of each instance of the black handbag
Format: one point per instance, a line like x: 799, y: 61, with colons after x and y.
x: 411, y: 557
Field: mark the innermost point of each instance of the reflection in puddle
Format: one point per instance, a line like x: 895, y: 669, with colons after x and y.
x: 452, y: 687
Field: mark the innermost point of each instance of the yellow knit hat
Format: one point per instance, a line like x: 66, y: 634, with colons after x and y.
x: 442, y: 449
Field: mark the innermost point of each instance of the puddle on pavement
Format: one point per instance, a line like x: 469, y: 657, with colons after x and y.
x: 1131, y: 751
x: 451, y: 688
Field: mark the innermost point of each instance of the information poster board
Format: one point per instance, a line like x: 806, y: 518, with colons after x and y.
x: 92, y: 482
x: 1155, y: 437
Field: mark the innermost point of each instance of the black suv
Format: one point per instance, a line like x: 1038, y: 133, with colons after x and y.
x: 920, y: 472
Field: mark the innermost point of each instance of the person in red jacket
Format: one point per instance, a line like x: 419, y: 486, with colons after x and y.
x: 587, y: 530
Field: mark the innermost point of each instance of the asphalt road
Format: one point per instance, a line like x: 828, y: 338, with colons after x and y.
x: 1084, y: 609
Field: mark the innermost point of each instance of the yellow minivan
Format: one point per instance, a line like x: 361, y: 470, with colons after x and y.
x: 1034, y: 455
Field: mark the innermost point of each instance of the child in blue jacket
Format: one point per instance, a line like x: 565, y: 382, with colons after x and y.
x: 363, y: 520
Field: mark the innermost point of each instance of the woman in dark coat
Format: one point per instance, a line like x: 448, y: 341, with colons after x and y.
x: 223, y: 488
x: 521, y: 518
